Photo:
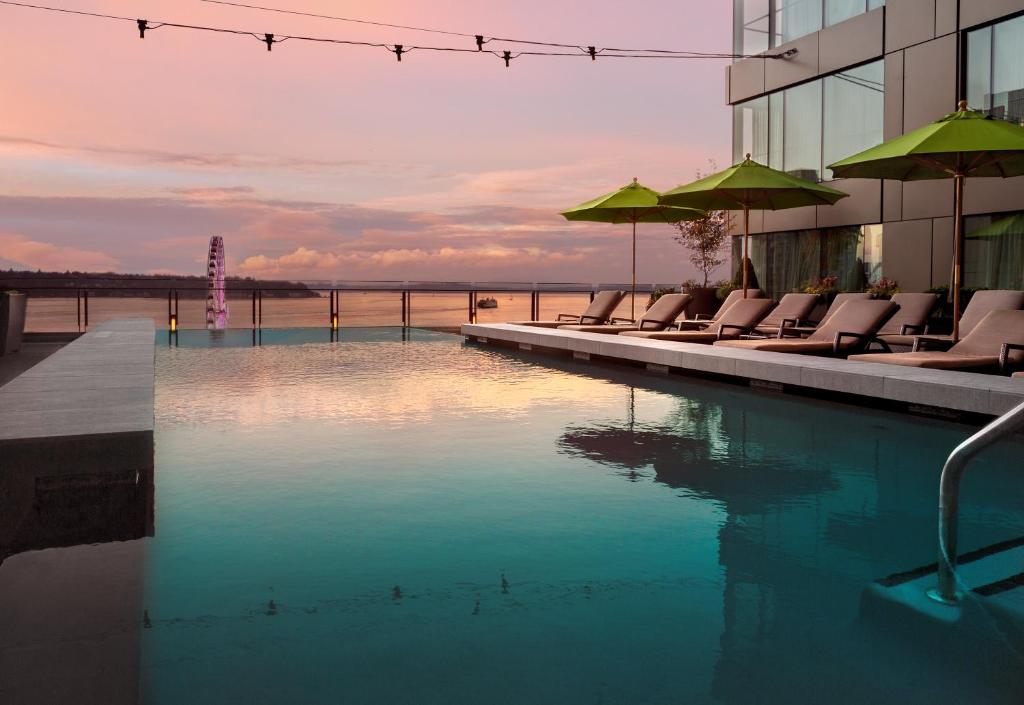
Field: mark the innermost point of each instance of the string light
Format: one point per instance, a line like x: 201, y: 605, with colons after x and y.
x: 398, y: 50
x: 479, y: 38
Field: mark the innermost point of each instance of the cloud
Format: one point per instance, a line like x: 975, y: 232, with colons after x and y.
x: 193, y: 160
x: 310, y: 239
x: 18, y: 251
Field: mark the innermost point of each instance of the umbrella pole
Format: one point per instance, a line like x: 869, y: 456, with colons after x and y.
x: 958, y: 217
x: 632, y: 301
x: 746, y: 238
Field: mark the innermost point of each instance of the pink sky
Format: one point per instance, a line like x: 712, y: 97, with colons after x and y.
x: 327, y: 162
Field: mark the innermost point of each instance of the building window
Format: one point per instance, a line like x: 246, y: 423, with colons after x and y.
x: 994, y: 251
x: 786, y: 131
x: 750, y: 130
x: 853, y: 112
x: 783, y: 262
x: 759, y: 25
x: 995, y: 72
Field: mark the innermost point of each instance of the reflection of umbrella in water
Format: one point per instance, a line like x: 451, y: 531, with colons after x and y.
x: 687, y: 462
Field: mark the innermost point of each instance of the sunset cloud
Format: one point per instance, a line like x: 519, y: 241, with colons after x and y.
x: 19, y: 252
x: 329, y: 161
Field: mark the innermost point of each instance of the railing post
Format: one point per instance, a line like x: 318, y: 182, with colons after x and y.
x: 254, y: 312
x: 78, y: 301
x: 408, y: 308
x: 472, y: 310
x: 86, y: 307
x: 259, y: 314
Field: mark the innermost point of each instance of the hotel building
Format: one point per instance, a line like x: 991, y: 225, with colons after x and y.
x: 865, y: 71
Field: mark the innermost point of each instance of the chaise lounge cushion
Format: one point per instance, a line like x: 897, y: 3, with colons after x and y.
x: 658, y: 317
x: 741, y: 317
x: 914, y: 312
x: 860, y: 316
x: 598, y: 312
x: 792, y: 307
x: 982, y: 303
x: 980, y: 348
x: 733, y: 296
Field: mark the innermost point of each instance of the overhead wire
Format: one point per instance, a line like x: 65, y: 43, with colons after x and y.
x: 271, y: 38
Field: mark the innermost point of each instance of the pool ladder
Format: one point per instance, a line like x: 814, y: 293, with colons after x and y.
x: 949, y: 497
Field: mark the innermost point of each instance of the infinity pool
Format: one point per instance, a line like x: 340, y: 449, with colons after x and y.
x: 407, y: 519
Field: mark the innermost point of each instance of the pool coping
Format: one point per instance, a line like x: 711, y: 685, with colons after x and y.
x: 911, y: 388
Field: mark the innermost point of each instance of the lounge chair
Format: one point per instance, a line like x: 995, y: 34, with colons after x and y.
x: 738, y: 320
x: 911, y: 320
x: 849, y: 329
x: 837, y: 303
x: 995, y: 342
x: 982, y: 303
x: 793, y: 309
x: 701, y: 321
x: 1018, y: 374
x: 597, y: 313
x: 659, y: 316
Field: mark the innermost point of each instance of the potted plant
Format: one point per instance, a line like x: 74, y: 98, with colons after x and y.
x: 884, y: 288
x: 705, y: 238
x: 12, y: 321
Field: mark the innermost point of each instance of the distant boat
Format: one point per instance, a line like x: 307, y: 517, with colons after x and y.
x: 488, y: 302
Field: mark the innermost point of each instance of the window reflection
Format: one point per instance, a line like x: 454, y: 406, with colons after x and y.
x: 995, y: 72
x: 994, y: 251
x: 759, y: 25
x: 853, y: 112
x: 801, y: 129
x: 786, y: 261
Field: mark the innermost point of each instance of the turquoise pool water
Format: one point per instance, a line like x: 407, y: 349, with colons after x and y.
x: 389, y: 520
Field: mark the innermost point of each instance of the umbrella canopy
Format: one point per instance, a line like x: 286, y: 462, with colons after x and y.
x: 750, y: 186
x: 964, y: 143
x: 634, y: 204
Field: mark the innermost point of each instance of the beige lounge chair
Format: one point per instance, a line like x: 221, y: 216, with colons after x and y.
x: 659, y: 316
x: 793, y: 309
x: 738, y: 320
x: 836, y: 304
x: 597, y: 313
x: 996, y: 341
x: 849, y: 329
x: 982, y: 303
x: 702, y: 321
x: 910, y: 320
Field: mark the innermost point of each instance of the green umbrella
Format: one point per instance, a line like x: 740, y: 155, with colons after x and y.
x: 750, y: 186
x: 964, y: 143
x: 630, y: 204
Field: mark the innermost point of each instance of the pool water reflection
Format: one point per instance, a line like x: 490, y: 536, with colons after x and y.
x: 382, y: 520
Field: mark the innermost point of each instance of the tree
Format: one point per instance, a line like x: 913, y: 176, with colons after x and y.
x: 705, y: 238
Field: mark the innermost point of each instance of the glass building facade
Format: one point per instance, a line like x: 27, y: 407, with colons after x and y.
x: 760, y: 25
x: 994, y: 251
x: 788, y: 261
x: 802, y: 129
x: 995, y: 69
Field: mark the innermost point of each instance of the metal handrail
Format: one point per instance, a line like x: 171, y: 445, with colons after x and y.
x: 949, y: 497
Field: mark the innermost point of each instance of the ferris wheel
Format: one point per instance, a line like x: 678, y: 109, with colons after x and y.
x: 216, y: 303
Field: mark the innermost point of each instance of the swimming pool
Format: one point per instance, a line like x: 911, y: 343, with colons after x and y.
x: 402, y: 518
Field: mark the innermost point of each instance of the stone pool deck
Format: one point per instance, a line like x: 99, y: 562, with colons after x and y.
x: 76, y: 490
x: 891, y: 385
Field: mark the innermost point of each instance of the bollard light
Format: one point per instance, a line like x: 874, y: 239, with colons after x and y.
x: 174, y: 323
x: 334, y: 321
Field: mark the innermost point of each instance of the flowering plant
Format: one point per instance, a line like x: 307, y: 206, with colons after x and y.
x: 823, y: 286
x: 884, y: 288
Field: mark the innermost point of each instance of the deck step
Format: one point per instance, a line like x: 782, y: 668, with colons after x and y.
x: 992, y: 613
